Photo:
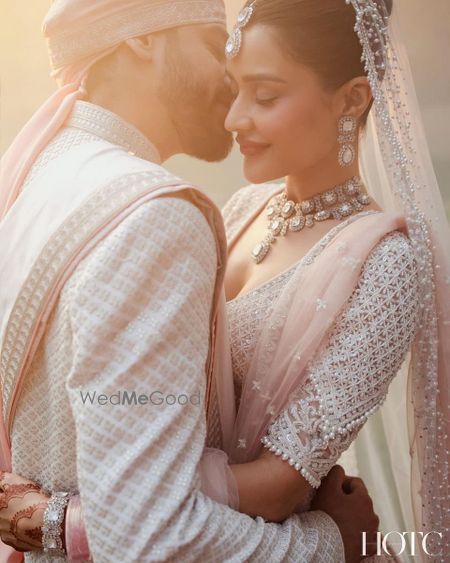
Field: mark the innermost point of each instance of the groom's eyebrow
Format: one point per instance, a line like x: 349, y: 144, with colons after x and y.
x: 215, y: 34
x: 215, y: 38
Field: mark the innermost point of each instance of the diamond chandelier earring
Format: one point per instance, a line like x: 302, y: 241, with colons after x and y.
x: 347, y: 134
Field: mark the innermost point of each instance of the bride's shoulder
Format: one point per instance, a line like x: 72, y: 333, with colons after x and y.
x: 246, y: 199
x: 392, y: 261
x: 395, y: 244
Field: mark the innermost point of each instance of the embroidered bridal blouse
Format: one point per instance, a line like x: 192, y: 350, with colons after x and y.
x: 365, y: 349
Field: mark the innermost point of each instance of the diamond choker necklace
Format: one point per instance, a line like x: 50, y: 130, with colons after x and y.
x: 285, y: 215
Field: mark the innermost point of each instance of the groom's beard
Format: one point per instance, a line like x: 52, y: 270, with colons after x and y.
x: 199, y: 121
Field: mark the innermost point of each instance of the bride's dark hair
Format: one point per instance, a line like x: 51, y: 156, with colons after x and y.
x: 319, y: 34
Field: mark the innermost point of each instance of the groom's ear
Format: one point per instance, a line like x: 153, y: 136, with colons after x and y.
x: 142, y: 47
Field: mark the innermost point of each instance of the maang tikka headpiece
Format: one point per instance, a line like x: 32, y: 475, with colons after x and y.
x: 235, y: 40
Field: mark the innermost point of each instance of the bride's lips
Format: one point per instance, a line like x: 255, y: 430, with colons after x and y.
x: 250, y: 148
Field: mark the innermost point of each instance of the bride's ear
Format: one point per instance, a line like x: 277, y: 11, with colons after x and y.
x: 356, y: 97
x: 142, y: 47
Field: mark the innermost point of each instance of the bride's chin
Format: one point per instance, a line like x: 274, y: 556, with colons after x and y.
x: 257, y: 173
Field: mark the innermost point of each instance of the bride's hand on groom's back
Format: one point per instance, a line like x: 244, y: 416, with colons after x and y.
x: 347, y: 501
x: 22, y: 507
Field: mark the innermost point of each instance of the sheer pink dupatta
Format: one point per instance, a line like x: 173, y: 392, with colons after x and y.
x: 41, y: 128
x: 14, y: 167
x: 298, y: 325
x: 217, y: 479
x: 301, y: 317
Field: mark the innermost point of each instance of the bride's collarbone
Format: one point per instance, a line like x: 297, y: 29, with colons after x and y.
x: 243, y: 274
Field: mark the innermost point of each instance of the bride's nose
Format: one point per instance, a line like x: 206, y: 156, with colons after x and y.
x: 237, y: 119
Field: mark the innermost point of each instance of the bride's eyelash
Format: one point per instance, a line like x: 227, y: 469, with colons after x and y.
x: 266, y: 101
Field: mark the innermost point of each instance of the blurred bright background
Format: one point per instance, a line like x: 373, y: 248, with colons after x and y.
x: 25, y: 84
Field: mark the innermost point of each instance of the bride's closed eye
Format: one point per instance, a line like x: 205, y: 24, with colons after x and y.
x: 262, y: 100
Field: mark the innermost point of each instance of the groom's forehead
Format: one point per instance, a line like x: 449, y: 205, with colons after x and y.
x: 209, y: 31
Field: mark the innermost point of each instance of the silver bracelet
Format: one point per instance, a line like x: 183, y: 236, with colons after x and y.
x: 52, y: 527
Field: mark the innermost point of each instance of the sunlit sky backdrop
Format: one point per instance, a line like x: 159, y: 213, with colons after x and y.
x: 25, y: 83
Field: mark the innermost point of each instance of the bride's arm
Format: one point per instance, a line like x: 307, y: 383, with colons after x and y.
x: 349, y: 378
x: 267, y: 487
x: 270, y: 488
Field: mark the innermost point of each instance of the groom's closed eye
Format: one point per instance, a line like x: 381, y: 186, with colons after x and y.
x: 217, y: 49
x: 232, y: 84
x: 215, y: 40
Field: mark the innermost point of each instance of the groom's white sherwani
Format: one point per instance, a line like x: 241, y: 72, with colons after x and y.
x: 134, y: 317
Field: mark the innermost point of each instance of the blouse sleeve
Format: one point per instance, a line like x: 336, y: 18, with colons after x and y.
x: 349, y: 378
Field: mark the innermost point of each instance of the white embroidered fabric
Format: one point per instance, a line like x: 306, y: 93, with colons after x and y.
x: 89, y: 123
x: 74, y: 42
x: 66, y: 139
x: 365, y: 348
x: 135, y: 316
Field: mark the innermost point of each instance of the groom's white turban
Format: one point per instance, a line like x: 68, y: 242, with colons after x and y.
x: 76, y: 29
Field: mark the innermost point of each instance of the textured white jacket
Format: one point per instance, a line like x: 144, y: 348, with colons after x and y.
x: 135, y: 317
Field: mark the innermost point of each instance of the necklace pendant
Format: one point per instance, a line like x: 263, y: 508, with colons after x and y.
x: 309, y: 220
x: 297, y: 223
x: 363, y: 198
x: 322, y: 215
x: 336, y: 214
x: 271, y: 211
x: 260, y: 251
x: 351, y: 187
x: 345, y: 209
x: 276, y: 226
x: 317, y: 203
x: 307, y: 206
x: 287, y: 209
x: 356, y: 205
x: 329, y: 198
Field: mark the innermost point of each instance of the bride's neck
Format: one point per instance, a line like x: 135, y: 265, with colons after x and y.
x: 312, y: 181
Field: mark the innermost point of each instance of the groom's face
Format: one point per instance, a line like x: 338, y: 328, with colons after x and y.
x: 195, y: 91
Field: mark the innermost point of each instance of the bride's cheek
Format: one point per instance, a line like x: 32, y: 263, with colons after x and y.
x: 282, y: 132
x: 272, y: 122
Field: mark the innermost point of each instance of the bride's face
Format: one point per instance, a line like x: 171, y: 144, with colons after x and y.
x: 284, y: 119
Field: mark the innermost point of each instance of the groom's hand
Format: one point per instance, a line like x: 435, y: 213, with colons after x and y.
x: 347, y: 501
